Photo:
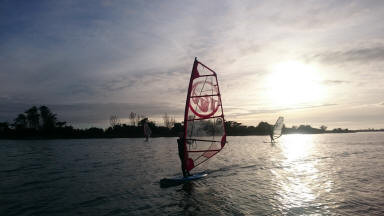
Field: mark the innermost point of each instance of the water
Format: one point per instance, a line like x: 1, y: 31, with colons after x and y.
x: 329, y: 174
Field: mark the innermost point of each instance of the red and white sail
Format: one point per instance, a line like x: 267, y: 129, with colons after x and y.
x: 204, y: 124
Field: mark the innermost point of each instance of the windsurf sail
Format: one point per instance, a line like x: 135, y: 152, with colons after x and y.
x: 278, y: 128
x: 204, y: 126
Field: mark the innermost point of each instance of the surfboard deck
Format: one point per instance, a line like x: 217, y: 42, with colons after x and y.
x: 168, y: 182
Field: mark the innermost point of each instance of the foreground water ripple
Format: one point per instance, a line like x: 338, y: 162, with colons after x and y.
x: 329, y: 174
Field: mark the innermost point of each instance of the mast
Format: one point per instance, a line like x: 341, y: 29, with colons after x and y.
x: 194, y: 70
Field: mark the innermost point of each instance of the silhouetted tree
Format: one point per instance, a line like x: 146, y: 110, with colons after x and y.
x: 323, y: 128
x: 264, y: 126
x: 177, y: 128
x: 33, y: 117
x: 5, y: 131
x: 61, y: 124
x: 48, y: 118
x: 93, y: 132
x: 169, y: 121
x: 114, y: 121
x: 4, y: 126
x: 139, y: 118
x: 340, y: 130
x: 235, y: 128
x: 307, y: 129
x: 20, y: 122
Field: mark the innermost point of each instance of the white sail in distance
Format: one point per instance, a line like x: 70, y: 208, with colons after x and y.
x: 278, y: 127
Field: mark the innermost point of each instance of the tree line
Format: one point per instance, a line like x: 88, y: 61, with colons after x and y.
x: 264, y: 128
x: 41, y: 123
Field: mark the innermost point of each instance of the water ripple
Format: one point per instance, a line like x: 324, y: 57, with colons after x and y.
x: 301, y: 175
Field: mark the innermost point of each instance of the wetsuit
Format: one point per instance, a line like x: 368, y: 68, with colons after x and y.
x: 181, y: 155
x: 271, y: 135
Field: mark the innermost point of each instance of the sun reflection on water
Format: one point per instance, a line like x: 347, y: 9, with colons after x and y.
x: 298, y: 179
x: 296, y: 146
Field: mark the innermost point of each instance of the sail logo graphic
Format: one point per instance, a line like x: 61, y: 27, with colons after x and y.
x: 204, y: 98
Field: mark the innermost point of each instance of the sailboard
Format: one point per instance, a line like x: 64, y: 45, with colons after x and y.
x: 204, y: 124
x: 277, y: 128
x: 168, y: 182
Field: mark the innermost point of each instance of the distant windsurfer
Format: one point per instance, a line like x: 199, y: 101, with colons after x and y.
x: 147, y: 130
x: 180, y: 144
x: 277, y: 129
x: 271, y: 135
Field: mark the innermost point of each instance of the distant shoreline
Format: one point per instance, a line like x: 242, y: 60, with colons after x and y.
x: 40, y: 123
x: 142, y: 137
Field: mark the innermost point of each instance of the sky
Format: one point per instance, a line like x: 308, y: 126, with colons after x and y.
x: 313, y: 62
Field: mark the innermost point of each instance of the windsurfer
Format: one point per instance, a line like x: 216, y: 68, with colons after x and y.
x: 271, y: 135
x: 147, y: 130
x: 180, y: 144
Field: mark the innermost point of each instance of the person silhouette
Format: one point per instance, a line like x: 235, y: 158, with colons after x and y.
x: 271, y: 135
x: 181, y: 148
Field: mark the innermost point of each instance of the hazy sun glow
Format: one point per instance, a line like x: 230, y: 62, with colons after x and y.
x: 293, y: 84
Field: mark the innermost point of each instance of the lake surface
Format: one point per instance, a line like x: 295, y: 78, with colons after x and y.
x: 328, y: 174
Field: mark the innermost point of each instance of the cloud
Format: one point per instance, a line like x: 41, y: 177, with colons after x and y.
x: 139, y: 55
x: 357, y: 55
x: 334, y: 82
x: 247, y: 112
x: 313, y: 15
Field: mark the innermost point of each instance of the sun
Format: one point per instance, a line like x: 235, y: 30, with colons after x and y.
x: 294, y: 83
